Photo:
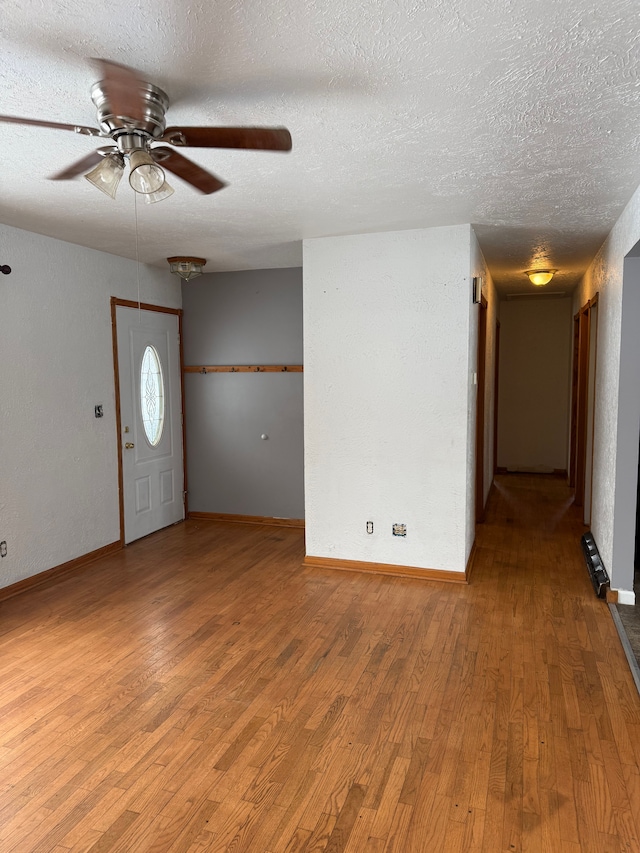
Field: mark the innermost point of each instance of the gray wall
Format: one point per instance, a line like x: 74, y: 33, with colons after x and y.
x: 628, y: 427
x: 534, y: 384
x: 250, y: 317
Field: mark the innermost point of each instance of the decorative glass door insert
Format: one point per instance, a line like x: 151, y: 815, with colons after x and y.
x: 152, y: 395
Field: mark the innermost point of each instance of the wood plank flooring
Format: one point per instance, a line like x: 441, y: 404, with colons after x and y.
x: 202, y: 691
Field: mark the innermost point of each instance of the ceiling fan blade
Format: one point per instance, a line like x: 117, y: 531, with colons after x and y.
x: 187, y: 170
x: 122, y: 86
x: 256, y: 138
x: 78, y: 128
x: 78, y: 167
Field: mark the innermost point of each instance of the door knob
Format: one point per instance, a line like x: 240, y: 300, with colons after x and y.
x: 129, y: 445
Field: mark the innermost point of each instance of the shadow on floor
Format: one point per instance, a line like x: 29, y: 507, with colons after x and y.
x: 627, y: 619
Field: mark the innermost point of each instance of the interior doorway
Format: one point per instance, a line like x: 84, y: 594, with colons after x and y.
x: 481, y: 361
x: 585, y: 350
x: 575, y: 360
x: 591, y: 408
x: 496, y: 383
x: 636, y: 561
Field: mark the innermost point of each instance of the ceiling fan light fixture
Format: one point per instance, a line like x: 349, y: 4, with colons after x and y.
x: 164, y: 192
x: 540, y: 277
x: 186, y: 267
x: 131, y: 112
x: 107, y: 175
x: 145, y: 175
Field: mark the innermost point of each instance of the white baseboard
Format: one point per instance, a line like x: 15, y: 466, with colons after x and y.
x: 626, y: 596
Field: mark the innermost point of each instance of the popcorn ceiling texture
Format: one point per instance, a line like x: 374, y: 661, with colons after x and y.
x: 515, y: 116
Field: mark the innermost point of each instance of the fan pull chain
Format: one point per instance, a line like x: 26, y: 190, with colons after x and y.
x: 135, y: 212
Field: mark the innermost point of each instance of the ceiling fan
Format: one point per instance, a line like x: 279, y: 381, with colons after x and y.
x: 131, y: 112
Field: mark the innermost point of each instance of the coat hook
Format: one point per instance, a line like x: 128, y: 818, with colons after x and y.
x: 204, y: 370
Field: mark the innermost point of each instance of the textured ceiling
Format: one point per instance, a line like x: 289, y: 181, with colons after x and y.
x: 520, y: 117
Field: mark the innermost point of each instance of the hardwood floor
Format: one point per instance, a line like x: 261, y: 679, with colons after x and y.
x: 201, y: 691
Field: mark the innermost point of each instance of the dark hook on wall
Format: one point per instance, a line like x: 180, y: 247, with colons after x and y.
x: 5, y: 269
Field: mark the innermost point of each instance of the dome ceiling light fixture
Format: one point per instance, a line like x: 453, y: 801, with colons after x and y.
x: 186, y: 267
x: 540, y: 277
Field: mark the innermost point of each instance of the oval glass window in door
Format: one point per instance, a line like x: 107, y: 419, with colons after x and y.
x: 152, y: 395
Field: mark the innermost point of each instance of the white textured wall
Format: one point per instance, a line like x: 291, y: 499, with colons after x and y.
x: 386, y: 336
x: 58, y: 463
x: 535, y: 368
x: 605, y: 276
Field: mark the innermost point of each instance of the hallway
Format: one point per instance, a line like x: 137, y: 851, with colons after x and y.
x: 200, y: 691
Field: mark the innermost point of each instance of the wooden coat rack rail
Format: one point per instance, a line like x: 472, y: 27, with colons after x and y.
x: 243, y: 368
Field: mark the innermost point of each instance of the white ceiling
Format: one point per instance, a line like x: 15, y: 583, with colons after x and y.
x: 519, y: 116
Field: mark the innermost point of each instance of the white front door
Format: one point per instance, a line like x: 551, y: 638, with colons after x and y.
x: 151, y: 420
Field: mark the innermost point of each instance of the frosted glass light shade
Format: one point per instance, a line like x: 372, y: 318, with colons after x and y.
x: 186, y: 267
x: 107, y: 174
x: 540, y: 277
x: 145, y: 175
x: 164, y: 192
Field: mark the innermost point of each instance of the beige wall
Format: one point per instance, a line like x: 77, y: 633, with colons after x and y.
x: 534, y: 384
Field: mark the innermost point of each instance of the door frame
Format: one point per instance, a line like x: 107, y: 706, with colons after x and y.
x: 480, y: 407
x: 578, y: 462
x: 581, y: 421
x: 144, y: 306
x: 574, y: 401
x: 496, y: 384
x: 592, y: 369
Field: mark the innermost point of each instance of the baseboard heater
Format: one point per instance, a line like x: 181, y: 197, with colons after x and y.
x: 597, y: 572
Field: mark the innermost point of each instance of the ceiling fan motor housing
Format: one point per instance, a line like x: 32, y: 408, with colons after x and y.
x: 149, y: 125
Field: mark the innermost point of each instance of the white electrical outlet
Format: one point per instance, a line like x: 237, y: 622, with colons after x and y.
x: 369, y: 526
x: 399, y: 529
